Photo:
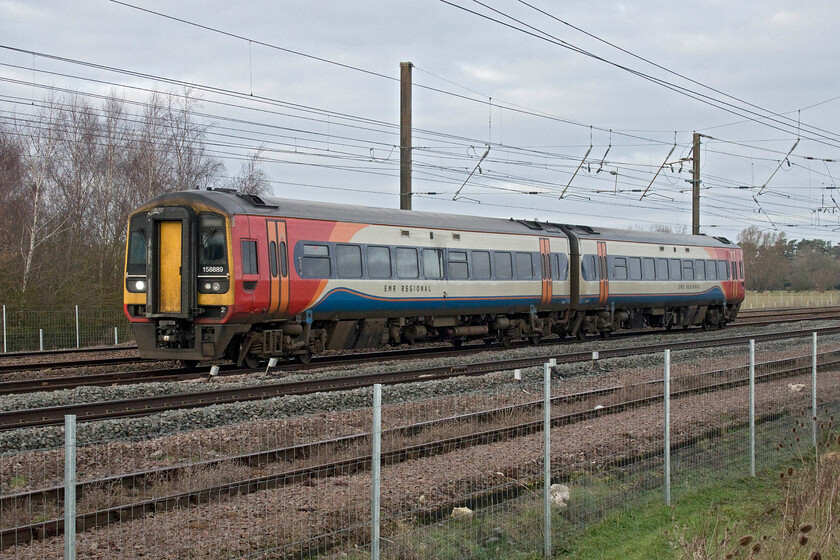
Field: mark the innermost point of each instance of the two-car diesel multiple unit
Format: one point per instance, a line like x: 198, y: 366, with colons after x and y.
x: 213, y: 274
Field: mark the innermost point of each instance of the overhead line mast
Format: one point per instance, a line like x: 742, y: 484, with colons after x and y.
x: 695, y: 186
x: 405, y: 135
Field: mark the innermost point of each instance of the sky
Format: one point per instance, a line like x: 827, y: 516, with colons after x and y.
x: 585, y: 106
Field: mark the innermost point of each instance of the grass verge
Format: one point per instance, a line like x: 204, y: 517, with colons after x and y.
x: 653, y: 530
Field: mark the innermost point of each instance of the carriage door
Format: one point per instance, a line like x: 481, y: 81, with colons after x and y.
x: 169, y: 267
x: 278, y: 267
x: 545, y: 267
x: 171, y: 290
x: 604, y: 282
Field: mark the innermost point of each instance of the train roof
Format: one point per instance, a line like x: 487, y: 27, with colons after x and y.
x: 232, y: 203
x: 662, y: 238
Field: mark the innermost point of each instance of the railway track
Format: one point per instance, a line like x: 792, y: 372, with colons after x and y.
x: 183, y: 374
x: 771, y: 316
x: 486, y: 424
x: 85, y: 412
x: 806, y: 313
x: 33, y: 366
x: 60, y: 351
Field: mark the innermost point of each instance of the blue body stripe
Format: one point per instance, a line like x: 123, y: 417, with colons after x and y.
x: 345, y: 299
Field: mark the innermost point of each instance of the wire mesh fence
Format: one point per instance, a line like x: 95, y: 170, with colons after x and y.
x: 779, y: 299
x: 462, y: 475
x: 75, y: 327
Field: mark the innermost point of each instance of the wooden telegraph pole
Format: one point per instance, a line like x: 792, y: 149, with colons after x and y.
x: 405, y: 135
x: 695, y: 187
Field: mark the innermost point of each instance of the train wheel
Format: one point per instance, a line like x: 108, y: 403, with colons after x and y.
x: 581, y: 335
x: 251, y: 361
x: 305, y: 357
x: 457, y: 343
x: 505, y: 341
x: 605, y: 335
x: 535, y: 339
x: 189, y: 364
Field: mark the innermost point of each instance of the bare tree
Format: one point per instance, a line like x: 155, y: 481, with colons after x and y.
x: 148, y: 170
x: 12, y: 172
x: 192, y: 168
x: 71, y: 172
x: 39, y: 140
x: 813, y: 266
x: 764, y: 259
x: 670, y: 228
x: 252, y: 179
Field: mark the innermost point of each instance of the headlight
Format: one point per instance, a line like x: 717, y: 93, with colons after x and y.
x: 135, y: 285
x: 213, y: 286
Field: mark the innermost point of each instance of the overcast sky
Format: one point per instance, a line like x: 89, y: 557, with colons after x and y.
x: 326, y: 115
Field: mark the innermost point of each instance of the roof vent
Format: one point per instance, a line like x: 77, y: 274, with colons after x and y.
x: 531, y: 224
x: 586, y: 229
x: 255, y: 200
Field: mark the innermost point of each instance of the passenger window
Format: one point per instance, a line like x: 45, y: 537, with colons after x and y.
x: 661, y: 269
x: 688, y: 270
x: 348, y: 261
x: 432, y: 264
x: 316, y: 261
x: 503, y: 263
x: 741, y: 269
x: 458, y: 265
x: 524, y: 266
x: 481, y: 265
x: 699, y: 270
x: 561, y: 271
x: 648, y: 269
x: 379, y: 262
x: 589, y: 268
x: 674, y: 270
x: 284, y: 265
x: 619, y: 268
x: 249, y: 257
x: 711, y: 270
x: 723, y: 270
x: 635, y: 268
x: 407, y: 263
x: 272, y: 258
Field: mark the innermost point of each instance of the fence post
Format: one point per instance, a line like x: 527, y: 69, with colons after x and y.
x: 70, y: 487
x: 41, y: 339
x: 116, y: 336
x: 547, y: 460
x: 375, y: 471
x: 814, y: 391
x: 752, y: 407
x: 4, y: 329
x: 667, y: 447
x: 77, y: 326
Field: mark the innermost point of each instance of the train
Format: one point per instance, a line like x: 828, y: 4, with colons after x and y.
x: 219, y: 274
